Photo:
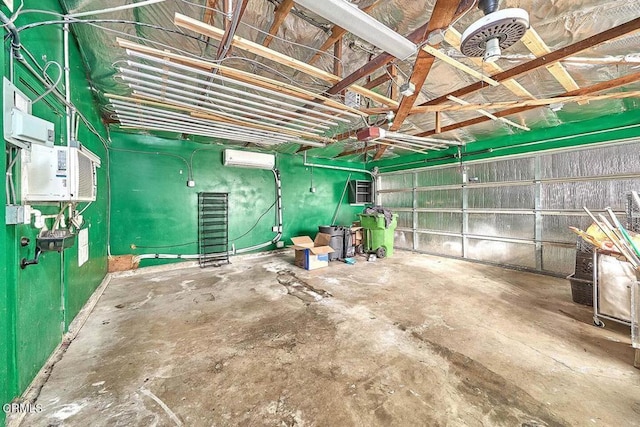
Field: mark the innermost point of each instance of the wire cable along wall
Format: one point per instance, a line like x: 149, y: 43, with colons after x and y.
x: 213, y: 229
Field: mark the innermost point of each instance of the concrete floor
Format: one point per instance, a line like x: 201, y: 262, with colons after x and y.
x: 407, y: 341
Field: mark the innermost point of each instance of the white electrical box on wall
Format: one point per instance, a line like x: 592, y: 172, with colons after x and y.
x: 59, y: 173
x: 21, y: 128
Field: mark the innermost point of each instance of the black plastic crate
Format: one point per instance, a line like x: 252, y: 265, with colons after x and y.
x: 584, y: 260
x: 581, y: 291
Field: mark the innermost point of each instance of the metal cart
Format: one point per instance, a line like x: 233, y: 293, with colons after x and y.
x: 598, y: 314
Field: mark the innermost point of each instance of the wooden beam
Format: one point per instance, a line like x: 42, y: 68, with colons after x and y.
x: 454, y: 38
x: 200, y: 27
x: 337, y: 58
x: 209, y: 12
x: 438, y: 124
x: 239, y: 75
x: 336, y: 35
x: 419, y: 35
x: 281, y: 13
x: 459, y: 65
x: 443, y: 14
x: 509, y: 104
x: 598, y: 87
x: 393, y: 74
x: 377, y: 81
x: 538, y: 47
x: 555, y: 56
x: 230, y: 30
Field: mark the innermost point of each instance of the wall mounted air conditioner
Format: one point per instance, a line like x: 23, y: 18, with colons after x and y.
x: 59, y: 174
x: 249, y: 159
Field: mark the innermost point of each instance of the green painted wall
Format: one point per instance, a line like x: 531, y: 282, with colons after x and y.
x: 38, y: 303
x: 155, y: 211
x: 607, y: 128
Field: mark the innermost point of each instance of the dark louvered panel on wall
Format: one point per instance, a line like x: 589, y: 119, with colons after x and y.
x: 213, y: 229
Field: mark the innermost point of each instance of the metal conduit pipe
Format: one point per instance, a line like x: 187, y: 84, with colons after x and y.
x: 374, y: 176
x: 278, y: 236
x: 14, y: 35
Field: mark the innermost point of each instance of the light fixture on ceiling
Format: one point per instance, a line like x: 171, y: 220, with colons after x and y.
x: 348, y: 16
x: 495, y: 31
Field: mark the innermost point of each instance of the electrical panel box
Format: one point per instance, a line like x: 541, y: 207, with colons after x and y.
x: 21, y: 128
x: 58, y: 174
x: 360, y: 192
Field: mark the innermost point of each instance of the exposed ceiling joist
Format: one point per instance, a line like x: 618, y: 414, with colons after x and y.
x: 443, y: 14
x: 599, y: 87
x: 200, y: 27
x: 511, y: 104
x: 538, y: 47
x: 281, y: 13
x: 555, y: 56
x: 209, y: 12
x: 336, y: 34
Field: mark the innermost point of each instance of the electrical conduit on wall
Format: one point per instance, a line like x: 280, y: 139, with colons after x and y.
x: 278, y: 236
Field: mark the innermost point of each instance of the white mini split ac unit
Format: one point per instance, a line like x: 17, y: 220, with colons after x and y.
x: 249, y: 159
x: 59, y: 174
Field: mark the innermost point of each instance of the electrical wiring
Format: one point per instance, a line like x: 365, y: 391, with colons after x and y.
x: 15, y: 14
x: 156, y: 153
x: 105, y: 21
x: 257, y: 222
x: 53, y: 85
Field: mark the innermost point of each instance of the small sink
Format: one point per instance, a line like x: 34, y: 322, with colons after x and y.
x: 55, y: 240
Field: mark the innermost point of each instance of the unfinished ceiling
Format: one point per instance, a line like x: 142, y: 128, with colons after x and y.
x: 166, y: 67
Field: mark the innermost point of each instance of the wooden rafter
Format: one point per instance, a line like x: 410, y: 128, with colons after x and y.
x: 419, y: 35
x: 257, y: 49
x: 280, y: 13
x: 599, y: 87
x: 443, y: 14
x: 538, y: 47
x: 209, y: 12
x: 555, y: 56
x: 336, y: 34
x: 454, y: 38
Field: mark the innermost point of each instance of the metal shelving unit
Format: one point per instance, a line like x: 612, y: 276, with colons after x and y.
x: 213, y: 229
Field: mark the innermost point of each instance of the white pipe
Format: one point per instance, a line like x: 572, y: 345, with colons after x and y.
x: 128, y: 121
x: 277, y: 237
x: 235, y: 100
x: 167, y: 63
x: 222, y: 87
x: 236, y: 109
x: 340, y: 168
x: 132, y: 115
x: 67, y: 79
x: 113, y: 9
x: 182, y: 102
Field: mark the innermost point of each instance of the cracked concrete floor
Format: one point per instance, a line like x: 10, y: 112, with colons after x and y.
x: 410, y: 340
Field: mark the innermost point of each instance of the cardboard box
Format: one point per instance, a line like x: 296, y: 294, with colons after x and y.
x: 356, y: 232
x: 310, y: 254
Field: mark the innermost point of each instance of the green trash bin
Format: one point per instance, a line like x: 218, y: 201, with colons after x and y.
x: 378, y: 239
